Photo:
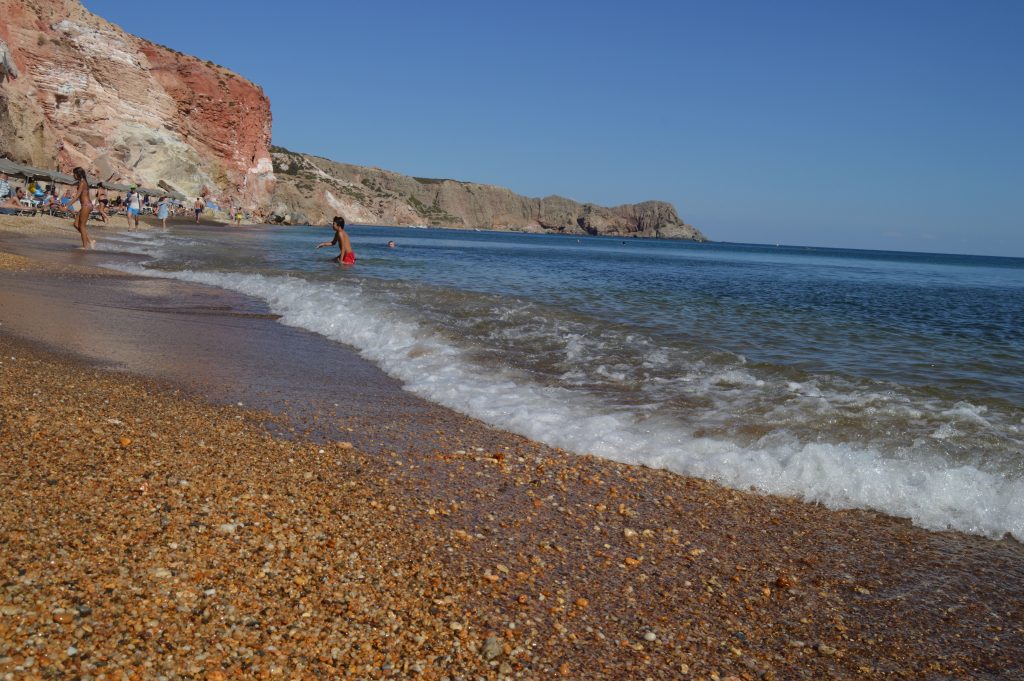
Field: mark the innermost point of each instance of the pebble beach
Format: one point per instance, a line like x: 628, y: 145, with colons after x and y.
x: 153, y: 529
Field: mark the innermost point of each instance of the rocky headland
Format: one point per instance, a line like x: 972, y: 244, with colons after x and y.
x: 312, y: 189
x: 76, y: 90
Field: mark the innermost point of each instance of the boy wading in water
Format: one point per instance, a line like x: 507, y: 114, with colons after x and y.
x: 347, y: 255
x: 85, y: 207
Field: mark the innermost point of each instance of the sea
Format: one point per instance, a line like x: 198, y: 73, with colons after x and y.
x: 858, y: 379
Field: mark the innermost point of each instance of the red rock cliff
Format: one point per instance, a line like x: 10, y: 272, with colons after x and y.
x: 77, y: 90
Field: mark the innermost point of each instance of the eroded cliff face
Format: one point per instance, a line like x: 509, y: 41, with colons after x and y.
x: 88, y: 94
x: 312, y: 189
x: 76, y: 90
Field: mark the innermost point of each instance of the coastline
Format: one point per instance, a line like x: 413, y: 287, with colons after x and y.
x: 585, y: 557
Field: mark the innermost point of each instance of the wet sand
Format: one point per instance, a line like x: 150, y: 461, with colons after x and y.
x: 335, y: 525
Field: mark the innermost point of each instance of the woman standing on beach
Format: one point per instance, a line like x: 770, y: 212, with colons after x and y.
x: 85, y: 207
x: 101, y: 201
x: 163, y: 208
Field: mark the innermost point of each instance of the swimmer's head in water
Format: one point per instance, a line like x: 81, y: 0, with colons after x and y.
x: 339, y: 222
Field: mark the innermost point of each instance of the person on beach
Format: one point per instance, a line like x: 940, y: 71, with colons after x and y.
x: 5, y: 186
x: 347, y: 255
x: 133, y: 203
x: 238, y: 217
x: 163, y: 208
x: 15, y: 199
x: 51, y: 204
x: 85, y: 207
x: 198, y: 208
x: 101, y: 201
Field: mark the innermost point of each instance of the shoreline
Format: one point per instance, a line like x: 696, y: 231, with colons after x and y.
x: 728, y: 583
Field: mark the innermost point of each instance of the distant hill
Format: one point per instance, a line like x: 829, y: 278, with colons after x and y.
x: 311, y: 189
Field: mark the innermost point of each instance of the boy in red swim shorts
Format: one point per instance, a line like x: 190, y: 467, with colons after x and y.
x: 347, y: 255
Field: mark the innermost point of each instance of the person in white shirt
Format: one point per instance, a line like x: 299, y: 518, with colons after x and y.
x: 133, y: 203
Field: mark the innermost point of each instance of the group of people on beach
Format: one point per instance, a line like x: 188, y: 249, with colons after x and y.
x: 236, y: 215
x: 36, y: 197
x: 134, y: 204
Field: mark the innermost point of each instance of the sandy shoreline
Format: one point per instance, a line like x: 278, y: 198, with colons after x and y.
x: 43, y: 224
x: 435, y: 546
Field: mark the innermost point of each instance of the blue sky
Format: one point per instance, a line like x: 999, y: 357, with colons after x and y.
x: 891, y: 125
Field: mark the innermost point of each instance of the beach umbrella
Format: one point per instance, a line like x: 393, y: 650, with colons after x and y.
x: 60, y: 178
x: 21, y: 170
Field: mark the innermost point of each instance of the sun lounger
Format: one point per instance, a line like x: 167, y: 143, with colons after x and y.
x: 58, y: 212
x: 27, y: 212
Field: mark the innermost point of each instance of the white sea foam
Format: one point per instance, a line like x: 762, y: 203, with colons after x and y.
x: 965, y: 411
x: 804, y: 389
x: 933, y: 492
x: 125, y: 243
x: 735, y: 378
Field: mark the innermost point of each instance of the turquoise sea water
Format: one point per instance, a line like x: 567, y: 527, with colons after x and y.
x: 873, y: 379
